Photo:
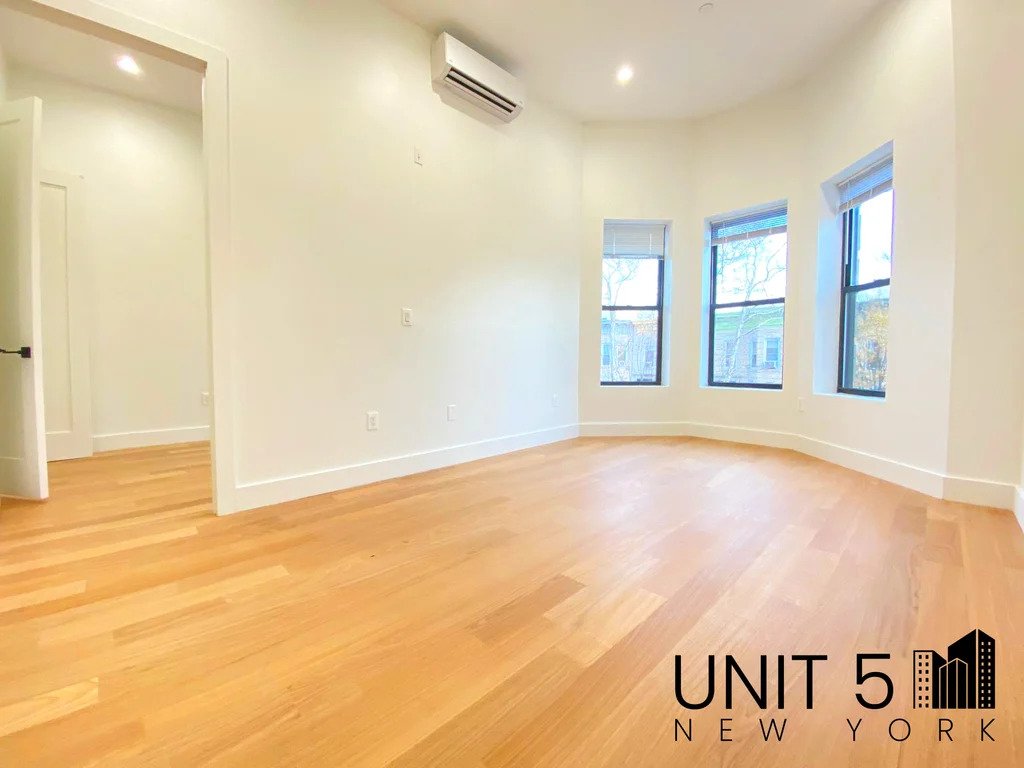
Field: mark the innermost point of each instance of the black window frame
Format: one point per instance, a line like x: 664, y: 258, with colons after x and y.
x: 713, y: 306
x: 851, y: 242
x: 659, y: 338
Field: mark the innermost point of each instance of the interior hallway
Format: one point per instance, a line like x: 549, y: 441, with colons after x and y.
x: 522, y: 610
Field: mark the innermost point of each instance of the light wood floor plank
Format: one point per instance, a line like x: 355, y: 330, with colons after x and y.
x: 19, y: 715
x: 519, y: 611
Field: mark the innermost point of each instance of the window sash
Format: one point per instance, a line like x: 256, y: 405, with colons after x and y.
x: 851, y: 247
x: 643, y: 307
x: 659, y: 337
x: 713, y: 307
x: 851, y: 233
x: 847, y: 340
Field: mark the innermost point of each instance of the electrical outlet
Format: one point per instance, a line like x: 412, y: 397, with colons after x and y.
x: 406, y: 316
x: 451, y: 413
x: 801, y: 404
x: 204, y: 398
x: 372, y: 421
x: 554, y: 401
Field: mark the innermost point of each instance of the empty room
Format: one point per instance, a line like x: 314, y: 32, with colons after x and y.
x: 491, y: 384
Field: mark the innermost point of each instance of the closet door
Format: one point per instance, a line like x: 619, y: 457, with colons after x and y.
x: 66, y: 382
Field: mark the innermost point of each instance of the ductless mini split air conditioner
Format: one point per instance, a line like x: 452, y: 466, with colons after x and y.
x: 475, y: 78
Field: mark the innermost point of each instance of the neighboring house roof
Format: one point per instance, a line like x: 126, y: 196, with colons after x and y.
x: 755, y: 318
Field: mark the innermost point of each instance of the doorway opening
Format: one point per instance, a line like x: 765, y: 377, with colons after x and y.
x: 107, y: 255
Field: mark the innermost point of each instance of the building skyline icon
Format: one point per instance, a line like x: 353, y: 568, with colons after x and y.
x: 964, y: 679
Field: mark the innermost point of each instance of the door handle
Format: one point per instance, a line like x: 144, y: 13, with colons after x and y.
x: 25, y: 352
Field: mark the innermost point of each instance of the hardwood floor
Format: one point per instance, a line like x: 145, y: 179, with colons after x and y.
x: 519, y: 611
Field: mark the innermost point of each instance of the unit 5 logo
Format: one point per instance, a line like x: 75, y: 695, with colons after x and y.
x: 964, y: 679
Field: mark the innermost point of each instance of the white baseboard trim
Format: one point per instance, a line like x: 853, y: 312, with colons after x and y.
x: 147, y: 437
x: 688, y: 429
x: 263, y: 493
x: 918, y: 479
x: 987, y: 493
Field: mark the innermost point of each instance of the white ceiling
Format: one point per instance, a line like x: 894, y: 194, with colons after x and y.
x: 687, y: 63
x: 36, y: 43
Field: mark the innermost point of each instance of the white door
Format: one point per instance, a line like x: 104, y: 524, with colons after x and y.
x: 66, y: 386
x: 22, y: 431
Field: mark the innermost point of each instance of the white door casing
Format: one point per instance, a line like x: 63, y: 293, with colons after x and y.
x: 111, y: 24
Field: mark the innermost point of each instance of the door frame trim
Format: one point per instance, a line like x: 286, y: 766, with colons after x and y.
x: 107, y: 23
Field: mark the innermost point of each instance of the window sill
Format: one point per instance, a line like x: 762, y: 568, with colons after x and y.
x: 740, y: 388
x: 852, y: 396
x: 632, y: 385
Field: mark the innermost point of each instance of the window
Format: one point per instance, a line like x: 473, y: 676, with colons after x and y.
x: 632, y: 302
x: 866, y: 205
x: 747, y: 306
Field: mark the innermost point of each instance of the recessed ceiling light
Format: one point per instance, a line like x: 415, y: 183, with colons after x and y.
x: 127, y: 64
x: 706, y: 8
x: 625, y: 74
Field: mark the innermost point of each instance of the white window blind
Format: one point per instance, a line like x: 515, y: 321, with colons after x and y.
x: 864, y: 185
x: 760, y: 224
x: 634, y: 240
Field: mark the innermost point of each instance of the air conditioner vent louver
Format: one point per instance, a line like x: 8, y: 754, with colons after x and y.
x: 475, y: 78
x: 478, y: 89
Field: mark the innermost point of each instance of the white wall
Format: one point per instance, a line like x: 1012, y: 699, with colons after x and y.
x: 3, y: 75
x: 336, y: 229
x: 891, y: 81
x: 988, y: 352
x: 143, y: 242
x: 634, y: 172
x: 894, y: 82
x: 987, y: 403
x: 747, y: 157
